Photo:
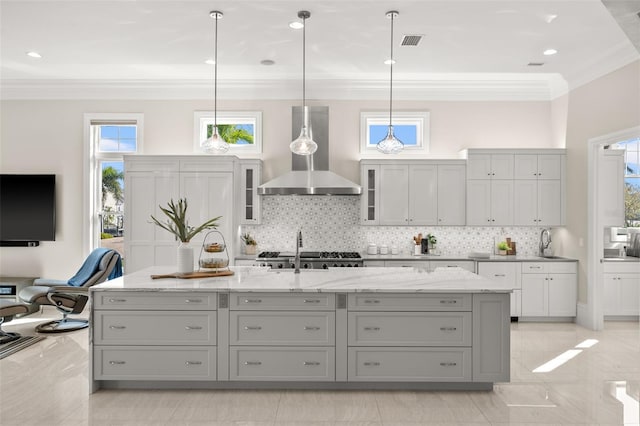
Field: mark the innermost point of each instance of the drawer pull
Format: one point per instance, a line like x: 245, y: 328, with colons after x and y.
x: 117, y: 362
x: 193, y: 301
x: 371, y: 363
x: 311, y: 327
x: 252, y: 300
x: 371, y: 301
x: 448, y: 364
x: 499, y: 275
x: 311, y: 301
x: 117, y: 327
x: 252, y: 363
x: 372, y: 328
x: 117, y: 300
x: 193, y: 327
x: 253, y: 327
x: 448, y: 328
x: 188, y: 363
x: 448, y: 302
x: 535, y: 267
x: 310, y: 363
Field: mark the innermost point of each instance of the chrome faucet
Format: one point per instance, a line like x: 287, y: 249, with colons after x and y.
x: 296, y: 262
x: 545, y: 240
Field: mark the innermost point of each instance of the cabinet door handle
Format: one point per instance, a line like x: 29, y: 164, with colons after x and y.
x: 311, y: 301
x: 188, y: 363
x: 310, y: 363
x: 311, y: 327
x: 372, y: 328
x: 117, y: 327
x: 448, y: 328
x: 193, y: 301
x: 193, y: 327
x: 117, y: 362
x: 252, y: 300
x: 253, y: 327
x: 371, y: 363
x: 370, y: 301
x: 448, y: 364
x: 252, y: 363
x: 448, y: 302
x: 117, y: 300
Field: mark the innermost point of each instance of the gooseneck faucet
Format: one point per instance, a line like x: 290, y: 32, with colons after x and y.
x: 296, y: 262
x: 545, y: 240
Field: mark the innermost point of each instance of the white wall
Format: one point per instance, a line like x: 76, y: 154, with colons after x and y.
x: 603, y: 106
x: 46, y: 136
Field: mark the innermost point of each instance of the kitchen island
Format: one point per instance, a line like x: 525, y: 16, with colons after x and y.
x: 387, y: 328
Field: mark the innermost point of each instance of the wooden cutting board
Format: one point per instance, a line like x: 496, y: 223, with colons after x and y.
x: 201, y: 274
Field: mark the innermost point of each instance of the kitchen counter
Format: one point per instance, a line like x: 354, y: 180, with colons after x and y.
x: 630, y: 259
x: 259, y: 279
x: 491, y: 258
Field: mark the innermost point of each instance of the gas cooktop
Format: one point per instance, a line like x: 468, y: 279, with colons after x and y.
x: 310, y: 255
x: 310, y: 259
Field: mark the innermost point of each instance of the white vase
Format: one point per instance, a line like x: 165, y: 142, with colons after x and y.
x: 185, y: 258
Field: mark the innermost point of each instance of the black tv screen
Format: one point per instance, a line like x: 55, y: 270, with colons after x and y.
x: 27, y: 207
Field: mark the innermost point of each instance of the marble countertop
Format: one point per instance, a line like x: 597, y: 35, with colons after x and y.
x: 622, y: 259
x: 491, y: 258
x: 260, y: 279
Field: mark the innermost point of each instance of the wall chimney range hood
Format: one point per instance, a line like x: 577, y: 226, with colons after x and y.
x: 310, y: 174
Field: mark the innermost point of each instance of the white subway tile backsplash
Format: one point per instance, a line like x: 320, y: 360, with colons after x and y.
x: 333, y: 223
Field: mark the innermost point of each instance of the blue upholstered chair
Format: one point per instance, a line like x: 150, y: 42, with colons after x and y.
x: 71, y: 296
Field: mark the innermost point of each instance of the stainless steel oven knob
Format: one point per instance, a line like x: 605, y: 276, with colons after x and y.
x: 335, y: 265
x: 325, y: 266
x: 349, y: 265
x: 279, y: 265
x: 305, y: 266
x: 355, y: 265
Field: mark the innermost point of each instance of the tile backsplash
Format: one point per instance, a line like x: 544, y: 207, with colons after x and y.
x: 333, y: 223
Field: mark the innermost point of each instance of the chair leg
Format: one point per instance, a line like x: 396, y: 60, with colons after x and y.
x: 5, y: 336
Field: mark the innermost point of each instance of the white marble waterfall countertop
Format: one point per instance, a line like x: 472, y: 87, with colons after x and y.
x: 259, y: 279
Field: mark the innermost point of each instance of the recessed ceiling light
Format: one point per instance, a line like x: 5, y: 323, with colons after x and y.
x: 389, y: 62
x: 549, y: 52
x: 296, y: 25
x: 210, y: 62
x: 267, y: 62
x: 34, y: 54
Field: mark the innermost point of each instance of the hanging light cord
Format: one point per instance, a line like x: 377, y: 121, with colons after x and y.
x: 215, y: 76
x: 391, y: 74
x: 304, y: 59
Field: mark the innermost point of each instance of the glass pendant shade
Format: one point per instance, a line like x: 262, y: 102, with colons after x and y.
x: 215, y: 143
x: 304, y: 144
x: 390, y: 144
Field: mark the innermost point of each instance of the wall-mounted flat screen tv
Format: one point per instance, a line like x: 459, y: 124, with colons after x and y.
x: 27, y: 208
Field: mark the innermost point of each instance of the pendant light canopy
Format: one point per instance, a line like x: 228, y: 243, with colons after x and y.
x: 215, y: 143
x: 390, y: 144
x: 304, y: 144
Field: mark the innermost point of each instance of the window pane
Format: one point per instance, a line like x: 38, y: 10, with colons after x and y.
x: 127, y: 145
x: 108, y: 145
x: 108, y: 132
x: 112, y: 193
x: 128, y: 132
x: 407, y: 133
x: 118, y: 138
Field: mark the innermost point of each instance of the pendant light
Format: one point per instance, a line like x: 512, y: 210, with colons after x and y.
x: 215, y: 143
x: 390, y: 144
x: 304, y: 144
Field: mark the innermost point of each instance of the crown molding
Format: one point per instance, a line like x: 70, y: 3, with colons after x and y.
x: 446, y: 87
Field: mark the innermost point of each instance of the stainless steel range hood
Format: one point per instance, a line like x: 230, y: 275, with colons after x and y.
x: 310, y: 175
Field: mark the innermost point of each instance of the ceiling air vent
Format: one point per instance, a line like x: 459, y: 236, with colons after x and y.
x: 410, y: 40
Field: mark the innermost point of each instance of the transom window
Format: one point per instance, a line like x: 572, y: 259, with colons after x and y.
x: 412, y: 128
x: 241, y: 129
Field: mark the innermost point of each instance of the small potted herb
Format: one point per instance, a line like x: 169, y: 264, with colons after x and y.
x: 249, y: 243
x: 503, y: 247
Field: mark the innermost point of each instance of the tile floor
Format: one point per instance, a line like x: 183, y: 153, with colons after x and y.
x: 47, y: 384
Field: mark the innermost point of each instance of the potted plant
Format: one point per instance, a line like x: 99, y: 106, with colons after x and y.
x: 249, y: 243
x: 178, y: 225
x: 503, y: 247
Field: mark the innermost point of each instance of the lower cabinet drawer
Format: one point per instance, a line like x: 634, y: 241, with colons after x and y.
x: 281, y: 363
x: 282, y: 302
x: 154, y: 363
x: 146, y: 300
x: 282, y: 328
x: 410, y: 329
x: 409, y: 302
x: 154, y: 328
x: 409, y: 364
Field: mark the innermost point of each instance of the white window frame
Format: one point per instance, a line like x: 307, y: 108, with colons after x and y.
x: 92, y: 173
x: 201, y: 119
x: 418, y: 118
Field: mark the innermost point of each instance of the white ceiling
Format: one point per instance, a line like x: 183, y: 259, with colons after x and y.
x: 157, y: 48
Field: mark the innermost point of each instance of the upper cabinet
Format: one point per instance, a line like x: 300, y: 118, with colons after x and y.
x: 420, y: 192
x: 250, y: 177
x: 521, y: 187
